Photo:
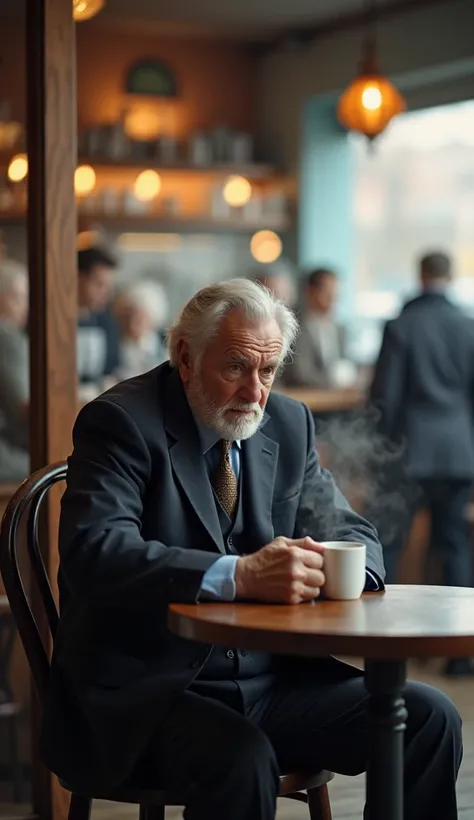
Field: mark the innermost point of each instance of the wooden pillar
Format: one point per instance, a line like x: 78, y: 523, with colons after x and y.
x: 52, y: 230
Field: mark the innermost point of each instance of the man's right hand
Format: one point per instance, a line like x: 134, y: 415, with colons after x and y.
x: 286, y: 571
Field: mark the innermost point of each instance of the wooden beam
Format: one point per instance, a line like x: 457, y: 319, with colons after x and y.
x: 298, y: 39
x: 52, y: 229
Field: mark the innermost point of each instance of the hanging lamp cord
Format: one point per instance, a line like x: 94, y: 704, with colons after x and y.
x: 369, y: 62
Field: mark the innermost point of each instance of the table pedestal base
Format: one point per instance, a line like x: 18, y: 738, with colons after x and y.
x: 385, y: 681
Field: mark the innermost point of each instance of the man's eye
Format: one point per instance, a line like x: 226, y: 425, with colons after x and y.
x: 235, y: 368
x: 268, y: 371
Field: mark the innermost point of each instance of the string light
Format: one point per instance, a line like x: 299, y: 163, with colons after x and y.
x: 237, y: 191
x: 266, y: 246
x: 85, y: 9
x: 84, y: 180
x: 18, y: 168
x: 147, y: 185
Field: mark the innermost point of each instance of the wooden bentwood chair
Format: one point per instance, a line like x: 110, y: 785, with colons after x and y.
x: 25, y: 507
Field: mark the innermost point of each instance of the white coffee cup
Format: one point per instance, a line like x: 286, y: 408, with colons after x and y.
x: 344, y: 570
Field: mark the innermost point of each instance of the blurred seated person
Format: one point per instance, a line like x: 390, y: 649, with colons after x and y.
x: 141, y: 311
x: 98, y: 354
x: 14, y: 372
x: 319, y: 359
x: 279, y: 277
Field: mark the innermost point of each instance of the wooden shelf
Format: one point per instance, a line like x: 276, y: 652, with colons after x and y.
x: 256, y: 171
x: 161, y: 223
x: 250, y: 171
x: 12, y: 216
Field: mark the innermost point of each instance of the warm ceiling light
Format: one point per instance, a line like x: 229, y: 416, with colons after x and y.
x: 237, y: 191
x: 147, y: 186
x: 369, y: 104
x: 372, y: 98
x: 266, y: 246
x: 18, y: 168
x: 84, y: 180
x: 85, y: 9
x: 371, y: 101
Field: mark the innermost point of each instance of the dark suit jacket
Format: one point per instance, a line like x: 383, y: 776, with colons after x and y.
x: 139, y: 528
x: 424, y: 387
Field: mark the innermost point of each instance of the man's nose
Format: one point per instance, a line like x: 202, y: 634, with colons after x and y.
x: 251, y: 389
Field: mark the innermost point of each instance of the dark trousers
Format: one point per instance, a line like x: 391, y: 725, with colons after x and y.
x: 225, y: 759
x: 447, y: 502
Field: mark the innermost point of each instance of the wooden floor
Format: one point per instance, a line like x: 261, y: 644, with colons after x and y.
x: 347, y: 793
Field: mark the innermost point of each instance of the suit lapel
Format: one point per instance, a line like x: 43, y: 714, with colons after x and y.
x: 260, y: 457
x: 187, y: 460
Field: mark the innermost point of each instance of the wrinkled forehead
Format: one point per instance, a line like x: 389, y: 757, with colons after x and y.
x: 239, y: 337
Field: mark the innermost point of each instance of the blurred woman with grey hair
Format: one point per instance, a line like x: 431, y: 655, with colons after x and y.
x: 279, y: 277
x: 14, y: 371
x: 141, y: 311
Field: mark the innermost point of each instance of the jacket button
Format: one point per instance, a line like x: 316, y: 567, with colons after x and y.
x: 243, y: 653
x: 230, y: 542
x: 230, y: 654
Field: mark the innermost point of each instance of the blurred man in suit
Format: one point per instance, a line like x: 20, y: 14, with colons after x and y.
x: 321, y: 342
x: 98, y: 350
x: 194, y: 482
x: 423, y: 387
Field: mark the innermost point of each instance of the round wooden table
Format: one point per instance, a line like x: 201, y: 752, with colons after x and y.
x: 385, y: 628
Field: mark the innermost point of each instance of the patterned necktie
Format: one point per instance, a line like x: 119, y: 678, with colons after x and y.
x: 224, y: 480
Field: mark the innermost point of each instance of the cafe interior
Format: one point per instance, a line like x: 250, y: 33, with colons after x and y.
x: 190, y: 143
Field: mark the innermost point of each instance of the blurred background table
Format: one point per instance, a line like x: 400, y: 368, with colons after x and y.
x: 327, y: 400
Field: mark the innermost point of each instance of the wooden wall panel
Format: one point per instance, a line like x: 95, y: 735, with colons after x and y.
x: 217, y: 82
x: 52, y: 228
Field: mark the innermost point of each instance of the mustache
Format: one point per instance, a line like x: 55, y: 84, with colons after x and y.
x: 243, y: 405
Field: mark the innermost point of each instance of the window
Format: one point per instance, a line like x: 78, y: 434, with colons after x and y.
x: 414, y: 192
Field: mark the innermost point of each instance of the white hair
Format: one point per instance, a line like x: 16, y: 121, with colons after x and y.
x: 10, y: 273
x: 200, y: 318
x: 146, y: 295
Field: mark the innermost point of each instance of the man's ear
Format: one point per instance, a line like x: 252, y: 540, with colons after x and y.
x: 184, y: 361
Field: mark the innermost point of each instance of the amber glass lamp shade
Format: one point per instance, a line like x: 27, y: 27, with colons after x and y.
x: 369, y: 104
x: 371, y: 101
x: 85, y: 9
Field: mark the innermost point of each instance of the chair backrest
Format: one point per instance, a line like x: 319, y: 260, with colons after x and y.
x: 25, y: 508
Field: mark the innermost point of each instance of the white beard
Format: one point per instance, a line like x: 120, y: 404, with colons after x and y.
x: 214, y: 417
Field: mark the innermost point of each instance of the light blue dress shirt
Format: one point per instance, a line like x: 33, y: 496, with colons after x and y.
x: 218, y: 583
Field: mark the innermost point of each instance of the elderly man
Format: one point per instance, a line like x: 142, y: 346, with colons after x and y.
x: 14, y: 371
x: 194, y: 482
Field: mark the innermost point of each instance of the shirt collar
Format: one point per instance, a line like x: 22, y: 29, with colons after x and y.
x: 208, y: 437
x: 436, y: 287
